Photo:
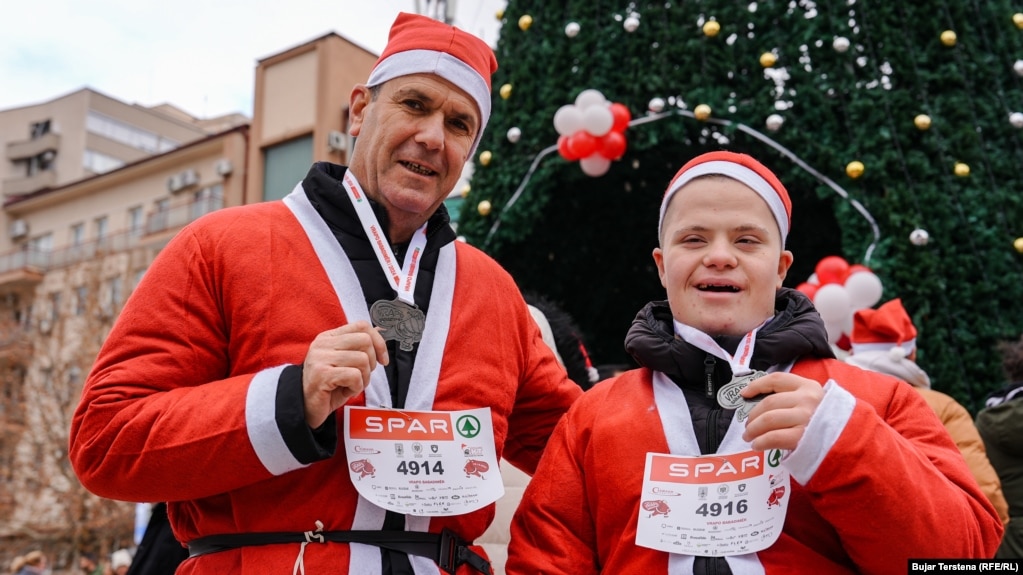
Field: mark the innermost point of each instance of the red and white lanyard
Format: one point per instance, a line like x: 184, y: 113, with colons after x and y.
x: 739, y: 361
x: 402, y: 279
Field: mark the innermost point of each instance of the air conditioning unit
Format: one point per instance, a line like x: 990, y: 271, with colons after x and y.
x: 19, y: 229
x: 223, y: 167
x: 337, y: 141
x: 182, y: 180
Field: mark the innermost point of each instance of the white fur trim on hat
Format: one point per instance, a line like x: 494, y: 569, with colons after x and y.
x: 444, y: 65
x: 737, y: 172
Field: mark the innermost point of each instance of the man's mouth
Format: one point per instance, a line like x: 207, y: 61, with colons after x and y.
x: 721, y: 288
x: 419, y: 169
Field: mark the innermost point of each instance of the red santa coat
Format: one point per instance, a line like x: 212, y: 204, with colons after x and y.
x: 879, y: 481
x: 180, y: 404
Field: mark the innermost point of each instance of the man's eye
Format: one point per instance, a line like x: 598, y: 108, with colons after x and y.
x: 414, y: 104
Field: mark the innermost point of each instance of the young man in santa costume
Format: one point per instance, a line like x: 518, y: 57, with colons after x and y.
x: 742, y: 445
x: 325, y: 384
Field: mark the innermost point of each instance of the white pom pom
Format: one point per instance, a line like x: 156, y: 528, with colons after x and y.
x: 897, y: 353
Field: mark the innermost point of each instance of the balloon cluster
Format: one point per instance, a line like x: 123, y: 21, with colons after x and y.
x: 592, y: 131
x: 838, y: 290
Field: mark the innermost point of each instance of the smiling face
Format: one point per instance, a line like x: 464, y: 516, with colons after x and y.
x: 414, y: 137
x: 721, y: 259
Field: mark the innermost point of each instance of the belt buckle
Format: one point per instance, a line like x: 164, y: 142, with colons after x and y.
x: 447, y: 555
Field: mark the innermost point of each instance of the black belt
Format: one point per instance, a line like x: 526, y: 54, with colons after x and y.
x: 446, y: 547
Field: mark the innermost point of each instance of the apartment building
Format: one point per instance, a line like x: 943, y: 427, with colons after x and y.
x: 92, y: 189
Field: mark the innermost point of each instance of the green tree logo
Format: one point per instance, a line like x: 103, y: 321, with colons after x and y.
x: 468, y: 426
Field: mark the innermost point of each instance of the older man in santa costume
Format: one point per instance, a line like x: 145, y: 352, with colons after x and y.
x: 742, y: 446
x: 325, y: 384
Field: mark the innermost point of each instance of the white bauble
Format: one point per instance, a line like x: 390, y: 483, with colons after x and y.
x: 774, y: 122
x: 840, y: 44
x: 514, y: 134
x: 572, y: 29
x: 919, y: 237
x: 631, y: 23
x: 656, y: 105
x: 1016, y: 119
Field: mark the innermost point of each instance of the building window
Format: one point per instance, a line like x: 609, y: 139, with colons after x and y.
x: 207, y: 200
x: 135, y: 220
x: 161, y: 216
x: 77, y: 234
x: 40, y: 129
x: 81, y: 300
x: 102, y: 224
x: 54, y: 306
x: 98, y: 162
x: 41, y: 243
x: 127, y: 134
x: 284, y: 165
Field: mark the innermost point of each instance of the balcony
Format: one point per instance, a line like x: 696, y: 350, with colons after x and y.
x: 26, y: 149
x: 15, y: 346
x: 26, y: 185
x: 27, y: 266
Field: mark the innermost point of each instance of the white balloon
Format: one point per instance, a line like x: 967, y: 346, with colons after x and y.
x: 590, y: 97
x: 837, y: 328
x: 813, y: 279
x: 864, y: 289
x: 598, y: 120
x: 595, y: 165
x: 568, y: 120
x: 832, y: 302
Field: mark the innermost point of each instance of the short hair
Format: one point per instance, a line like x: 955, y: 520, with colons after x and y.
x: 1012, y: 359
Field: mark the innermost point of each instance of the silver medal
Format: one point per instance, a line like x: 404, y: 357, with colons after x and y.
x: 729, y: 397
x: 401, y: 322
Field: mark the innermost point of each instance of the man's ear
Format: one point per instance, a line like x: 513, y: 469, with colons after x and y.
x: 357, y: 103
x: 659, y: 261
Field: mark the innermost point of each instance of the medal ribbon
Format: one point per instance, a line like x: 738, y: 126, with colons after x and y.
x: 402, y: 279
x: 743, y: 355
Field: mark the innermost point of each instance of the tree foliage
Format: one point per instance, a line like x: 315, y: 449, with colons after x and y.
x: 586, y: 242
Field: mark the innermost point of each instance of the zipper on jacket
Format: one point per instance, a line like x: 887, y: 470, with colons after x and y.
x: 708, y: 371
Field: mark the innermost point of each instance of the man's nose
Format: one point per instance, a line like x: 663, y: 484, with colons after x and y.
x: 720, y: 253
x: 431, y: 131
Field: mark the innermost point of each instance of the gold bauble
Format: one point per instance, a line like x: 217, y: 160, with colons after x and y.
x: 711, y: 28
x: 525, y: 21
x: 485, y: 157
x: 483, y: 208
x: 499, y: 14
x: 854, y: 169
x: 702, y: 112
x: 948, y: 38
x: 506, y: 91
x: 962, y: 170
x: 466, y: 189
x: 767, y: 59
x: 1017, y: 19
x: 1018, y: 244
x: 922, y: 122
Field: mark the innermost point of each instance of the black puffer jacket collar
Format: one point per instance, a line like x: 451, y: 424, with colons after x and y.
x: 796, y: 331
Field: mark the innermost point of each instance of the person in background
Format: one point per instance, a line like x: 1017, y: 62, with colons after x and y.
x: 741, y: 445
x: 32, y: 563
x: 249, y: 377
x: 1000, y: 424
x: 884, y: 340
x: 89, y: 564
x: 158, y: 553
x: 563, y: 336
x: 120, y: 561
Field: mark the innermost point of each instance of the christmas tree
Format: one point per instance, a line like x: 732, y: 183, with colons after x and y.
x: 885, y: 120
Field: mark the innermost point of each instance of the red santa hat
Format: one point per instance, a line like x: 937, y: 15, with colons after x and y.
x: 421, y: 45
x: 739, y: 167
x: 885, y: 328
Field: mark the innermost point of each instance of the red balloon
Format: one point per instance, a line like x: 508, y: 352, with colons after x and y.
x: 612, y: 145
x: 622, y: 116
x: 857, y: 268
x: 808, y: 289
x: 564, y: 150
x: 844, y: 342
x: 582, y: 144
x: 832, y: 270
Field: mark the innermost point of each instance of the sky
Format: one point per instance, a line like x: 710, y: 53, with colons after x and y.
x: 199, y: 55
